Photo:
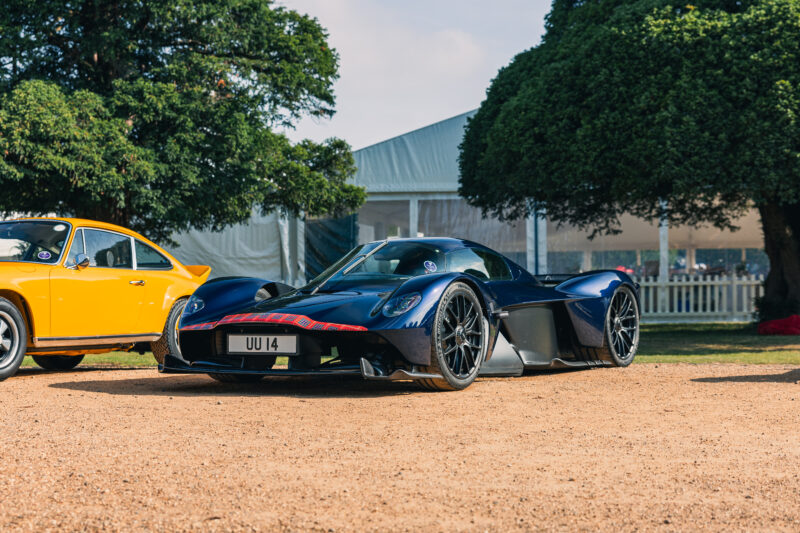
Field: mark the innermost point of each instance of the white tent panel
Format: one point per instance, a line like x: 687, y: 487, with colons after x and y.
x: 424, y: 160
x: 258, y: 248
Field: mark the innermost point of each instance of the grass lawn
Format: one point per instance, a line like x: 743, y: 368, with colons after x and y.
x: 660, y: 343
x: 112, y: 359
x: 714, y: 343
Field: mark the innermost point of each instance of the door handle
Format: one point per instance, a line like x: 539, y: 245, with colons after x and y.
x: 139, y: 282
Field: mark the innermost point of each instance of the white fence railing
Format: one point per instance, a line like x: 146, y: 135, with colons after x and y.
x: 694, y: 298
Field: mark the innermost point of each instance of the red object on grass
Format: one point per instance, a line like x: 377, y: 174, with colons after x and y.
x: 782, y: 326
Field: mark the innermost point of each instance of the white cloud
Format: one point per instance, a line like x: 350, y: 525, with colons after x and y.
x: 407, y: 64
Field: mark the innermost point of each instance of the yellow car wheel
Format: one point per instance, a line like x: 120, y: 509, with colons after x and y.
x: 13, y: 339
x: 168, y: 343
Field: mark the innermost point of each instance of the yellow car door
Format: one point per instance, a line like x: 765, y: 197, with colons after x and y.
x: 101, y: 299
x: 164, y: 286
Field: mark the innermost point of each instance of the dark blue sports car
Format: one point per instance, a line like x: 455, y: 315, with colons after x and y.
x: 438, y: 311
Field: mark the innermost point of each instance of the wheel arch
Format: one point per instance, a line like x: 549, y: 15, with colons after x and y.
x: 493, y: 331
x: 478, y: 290
x: 24, y: 309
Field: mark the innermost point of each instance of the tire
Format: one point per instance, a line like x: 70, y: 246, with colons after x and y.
x: 13, y: 339
x: 458, y: 340
x: 237, y: 378
x: 168, y: 343
x: 58, y: 362
x: 621, y: 339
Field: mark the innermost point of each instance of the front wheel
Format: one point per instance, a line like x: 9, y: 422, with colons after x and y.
x: 13, y: 339
x: 58, y: 362
x: 168, y: 343
x: 458, y: 340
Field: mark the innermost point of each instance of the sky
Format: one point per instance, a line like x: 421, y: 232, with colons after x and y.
x: 405, y: 64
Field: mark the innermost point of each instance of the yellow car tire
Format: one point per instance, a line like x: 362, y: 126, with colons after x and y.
x: 168, y: 343
x: 13, y: 339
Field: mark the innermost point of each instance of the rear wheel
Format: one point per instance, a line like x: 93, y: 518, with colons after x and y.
x: 458, y: 337
x: 168, y: 343
x: 58, y: 362
x: 622, y: 327
x: 13, y: 339
x: 237, y: 378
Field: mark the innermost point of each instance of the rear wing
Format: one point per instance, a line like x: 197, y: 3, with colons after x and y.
x: 199, y: 271
x: 555, y: 279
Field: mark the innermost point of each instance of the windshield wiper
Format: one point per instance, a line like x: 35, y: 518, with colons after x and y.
x: 358, y: 261
x: 364, y: 258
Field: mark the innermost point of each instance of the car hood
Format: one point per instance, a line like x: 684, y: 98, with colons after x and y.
x: 345, y: 305
x: 11, y: 271
x: 349, y: 303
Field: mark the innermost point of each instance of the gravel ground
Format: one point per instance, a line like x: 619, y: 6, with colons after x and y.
x: 650, y: 447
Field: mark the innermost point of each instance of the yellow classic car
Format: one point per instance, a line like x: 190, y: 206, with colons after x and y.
x: 70, y: 287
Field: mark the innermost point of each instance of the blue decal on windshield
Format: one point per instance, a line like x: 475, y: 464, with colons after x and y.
x: 430, y: 266
x: 44, y: 256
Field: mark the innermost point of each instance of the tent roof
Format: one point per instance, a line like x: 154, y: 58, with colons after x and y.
x: 423, y: 160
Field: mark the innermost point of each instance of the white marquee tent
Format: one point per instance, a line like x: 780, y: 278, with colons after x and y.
x: 412, y: 186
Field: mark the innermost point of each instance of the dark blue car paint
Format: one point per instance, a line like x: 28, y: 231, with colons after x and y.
x: 350, y: 301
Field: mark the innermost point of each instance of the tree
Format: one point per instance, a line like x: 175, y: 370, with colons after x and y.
x: 165, y: 116
x: 627, y: 104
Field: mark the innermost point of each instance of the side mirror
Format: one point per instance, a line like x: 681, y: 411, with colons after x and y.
x: 82, y: 261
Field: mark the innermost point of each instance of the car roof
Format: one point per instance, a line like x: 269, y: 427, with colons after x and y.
x: 96, y: 224
x: 81, y: 222
x: 446, y: 244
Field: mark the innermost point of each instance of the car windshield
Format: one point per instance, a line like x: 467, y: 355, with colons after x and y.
x: 333, y: 269
x: 382, y: 260
x: 36, y: 241
x: 400, y: 260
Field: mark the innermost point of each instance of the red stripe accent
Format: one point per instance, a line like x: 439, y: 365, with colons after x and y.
x: 300, y: 321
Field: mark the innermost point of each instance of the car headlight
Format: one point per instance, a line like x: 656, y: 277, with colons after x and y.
x: 401, y: 304
x: 194, y: 305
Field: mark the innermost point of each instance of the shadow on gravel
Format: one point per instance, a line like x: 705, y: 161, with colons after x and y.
x: 320, y: 387
x: 791, y: 376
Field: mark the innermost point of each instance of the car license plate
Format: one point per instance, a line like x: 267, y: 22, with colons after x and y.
x: 271, y: 344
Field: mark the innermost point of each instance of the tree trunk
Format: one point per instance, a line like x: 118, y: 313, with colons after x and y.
x: 781, y: 225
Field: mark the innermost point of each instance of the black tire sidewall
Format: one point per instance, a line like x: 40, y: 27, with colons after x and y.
x: 172, y: 325
x: 437, y: 352
x: 616, y: 359
x: 168, y: 343
x: 10, y: 365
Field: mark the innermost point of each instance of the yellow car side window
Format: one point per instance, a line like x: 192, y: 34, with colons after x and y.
x: 76, y: 248
x: 149, y: 259
x: 108, y: 250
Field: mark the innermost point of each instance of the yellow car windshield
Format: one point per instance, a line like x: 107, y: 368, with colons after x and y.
x: 33, y: 241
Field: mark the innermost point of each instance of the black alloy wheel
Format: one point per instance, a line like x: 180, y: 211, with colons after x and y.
x: 622, y: 326
x: 458, y: 339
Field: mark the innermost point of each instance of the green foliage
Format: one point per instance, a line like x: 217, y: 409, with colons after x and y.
x: 625, y: 103
x: 165, y: 116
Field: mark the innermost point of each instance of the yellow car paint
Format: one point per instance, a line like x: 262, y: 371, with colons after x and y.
x: 75, y: 311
